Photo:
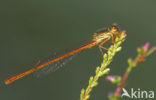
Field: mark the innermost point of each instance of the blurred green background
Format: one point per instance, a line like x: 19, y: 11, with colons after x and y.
x: 33, y: 29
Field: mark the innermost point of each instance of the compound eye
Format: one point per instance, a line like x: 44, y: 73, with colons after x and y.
x: 115, y: 28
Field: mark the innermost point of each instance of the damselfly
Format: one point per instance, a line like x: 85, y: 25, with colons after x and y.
x: 99, y: 38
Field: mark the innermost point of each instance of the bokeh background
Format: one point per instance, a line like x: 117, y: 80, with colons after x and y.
x: 33, y: 29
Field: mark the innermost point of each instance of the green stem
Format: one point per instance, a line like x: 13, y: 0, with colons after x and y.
x: 102, y: 70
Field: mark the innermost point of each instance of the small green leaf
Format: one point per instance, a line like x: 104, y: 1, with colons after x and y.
x: 97, y: 70
x: 91, y: 80
x: 87, y: 97
x: 118, y: 49
x: 94, y: 84
x: 105, y: 71
x: 82, y: 93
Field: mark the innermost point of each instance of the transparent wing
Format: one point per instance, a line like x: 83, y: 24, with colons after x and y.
x: 52, y: 67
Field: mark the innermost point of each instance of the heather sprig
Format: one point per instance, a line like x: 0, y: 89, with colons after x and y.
x: 103, y: 70
x: 143, y: 52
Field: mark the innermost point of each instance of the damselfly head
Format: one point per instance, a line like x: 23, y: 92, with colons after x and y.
x: 115, y: 28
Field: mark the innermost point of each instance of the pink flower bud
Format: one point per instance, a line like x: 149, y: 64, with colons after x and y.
x: 110, y: 78
x: 118, y: 90
x: 146, y: 46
